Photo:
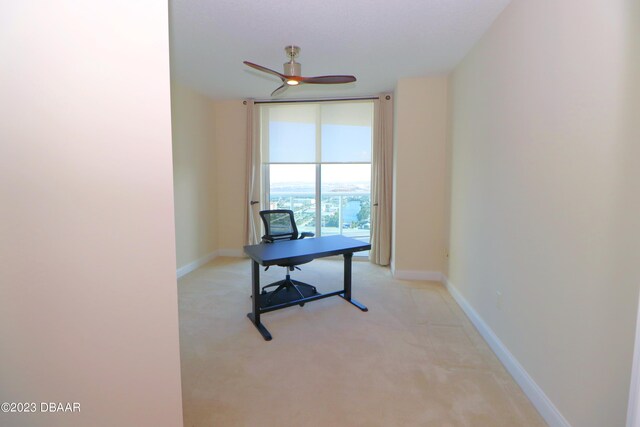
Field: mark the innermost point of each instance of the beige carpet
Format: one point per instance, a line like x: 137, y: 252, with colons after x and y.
x: 413, y: 360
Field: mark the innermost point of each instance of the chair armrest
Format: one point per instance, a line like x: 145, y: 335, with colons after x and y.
x: 306, y: 234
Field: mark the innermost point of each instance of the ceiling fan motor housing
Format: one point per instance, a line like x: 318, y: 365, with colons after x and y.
x: 292, y: 68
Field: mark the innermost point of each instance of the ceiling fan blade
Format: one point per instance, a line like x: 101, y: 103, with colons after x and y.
x: 265, y: 69
x: 328, y: 79
x: 279, y: 90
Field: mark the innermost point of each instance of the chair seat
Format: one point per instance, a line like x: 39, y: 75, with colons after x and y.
x: 293, y: 265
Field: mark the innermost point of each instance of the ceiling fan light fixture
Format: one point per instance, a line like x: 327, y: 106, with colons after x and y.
x: 293, y: 82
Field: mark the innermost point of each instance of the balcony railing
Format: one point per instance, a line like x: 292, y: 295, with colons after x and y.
x: 345, y: 214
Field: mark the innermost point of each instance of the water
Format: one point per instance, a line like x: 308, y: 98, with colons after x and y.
x: 350, y: 212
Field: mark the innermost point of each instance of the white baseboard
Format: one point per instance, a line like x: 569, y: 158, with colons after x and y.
x: 186, y: 269
x: 433, y: 276
x: 543, y: 404
x: 236, y: 253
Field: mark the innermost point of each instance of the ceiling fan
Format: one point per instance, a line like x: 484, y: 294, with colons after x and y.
x: 292, y: 70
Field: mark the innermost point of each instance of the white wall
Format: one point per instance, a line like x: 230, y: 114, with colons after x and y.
x: 540, y: 198
x: 420, y: 235
x: 88, y: 309
x: 194, y: 175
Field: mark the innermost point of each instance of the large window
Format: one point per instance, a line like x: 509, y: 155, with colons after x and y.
x: 317, y: 162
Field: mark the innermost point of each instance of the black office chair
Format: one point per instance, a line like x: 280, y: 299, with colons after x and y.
x: 279, y: 225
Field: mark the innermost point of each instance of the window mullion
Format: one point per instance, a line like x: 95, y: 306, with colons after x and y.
x: 318, y: 199
x: 318, y: 170
x: 266, y: 204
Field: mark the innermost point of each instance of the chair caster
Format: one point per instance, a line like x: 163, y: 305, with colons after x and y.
x: 301, y: 304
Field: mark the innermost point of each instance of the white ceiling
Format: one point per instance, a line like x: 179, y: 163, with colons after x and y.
x: 378, y: 41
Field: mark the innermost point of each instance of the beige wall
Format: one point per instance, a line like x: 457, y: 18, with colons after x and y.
x: 420, y: 176
x: 209, y: 175
x: 88, y: 308
x: 540, y: 198
x: 194, y: 175
x: 230, y: 136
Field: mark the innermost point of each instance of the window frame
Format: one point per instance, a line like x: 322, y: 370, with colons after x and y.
x: 265, y: 171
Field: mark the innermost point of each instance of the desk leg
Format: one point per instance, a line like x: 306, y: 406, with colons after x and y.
x: 254, y: 316
x: 347, y: 283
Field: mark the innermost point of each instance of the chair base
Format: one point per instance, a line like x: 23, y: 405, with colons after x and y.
x: 286, y: 290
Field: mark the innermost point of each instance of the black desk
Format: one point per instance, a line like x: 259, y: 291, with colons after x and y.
x: 300, y: 251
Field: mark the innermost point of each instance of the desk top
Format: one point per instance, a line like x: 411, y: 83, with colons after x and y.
x: 303, y: 250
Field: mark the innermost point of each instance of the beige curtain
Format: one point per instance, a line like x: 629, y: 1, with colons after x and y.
x: 381, y: 181
x: 252, y: 187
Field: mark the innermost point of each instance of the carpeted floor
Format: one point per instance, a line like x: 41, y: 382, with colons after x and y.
x: 413, y: 360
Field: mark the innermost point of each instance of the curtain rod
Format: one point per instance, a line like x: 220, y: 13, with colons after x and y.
x: 283, y: 101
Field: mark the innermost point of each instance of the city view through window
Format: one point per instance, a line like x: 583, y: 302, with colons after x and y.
x: 345, y: 197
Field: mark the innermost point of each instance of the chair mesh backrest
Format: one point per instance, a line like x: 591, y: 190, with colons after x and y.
x: 279, y: 224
